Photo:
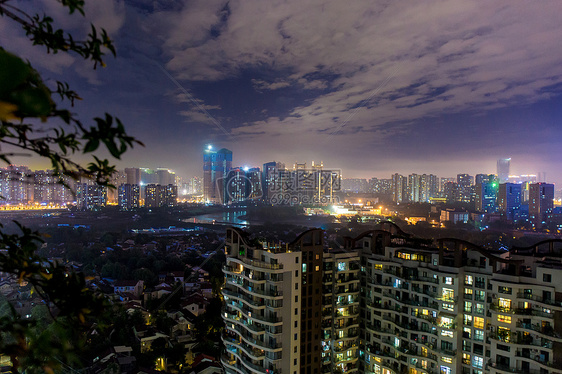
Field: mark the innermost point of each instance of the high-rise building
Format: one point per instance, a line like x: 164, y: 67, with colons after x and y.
x: 443, y: 182
x: 243, y: 184
x: 133, y: 176
x: 444, y: 307
x: 452, y: 192
x: 216, y: 165
x: 157, y: 195
x: 458, y: 308
x: 90, y: 196
x: 118, y: 178
x: 464, y: 183
x: 311, y: 299
x: 355, y: 185
x: 301, y: 185
x: 429, y: 187
x: 503, y: 169
x: 381, y: 186
x: 414, y: 188
x: 166, y: 176
x: 399, y: 188
x: 129, y: 196
x: 51, y: 188
x: 485, y: 178
x: 486, y: 195
x: 16, y: 185
x: 541, y: 202
x: 271, y: 181
x: 266, y: 297
x: 509, y: 200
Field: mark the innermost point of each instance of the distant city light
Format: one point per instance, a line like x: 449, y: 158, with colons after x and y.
x: 246, y: 168
x: 209, y: 147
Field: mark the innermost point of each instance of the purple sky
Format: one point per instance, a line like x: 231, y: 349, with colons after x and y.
x: 370, y: 87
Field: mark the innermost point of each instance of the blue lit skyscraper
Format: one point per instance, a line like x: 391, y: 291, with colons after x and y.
x: 509, y: 200
x: 216, y: 165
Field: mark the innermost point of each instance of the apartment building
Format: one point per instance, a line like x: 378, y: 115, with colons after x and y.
x: 457, y: 308
x: 389, y: 303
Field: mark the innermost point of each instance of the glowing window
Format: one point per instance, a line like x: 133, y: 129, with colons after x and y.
x: 449, y: 307
x: 448, y: 294
x: 504, y: 318
x: 479, y: 322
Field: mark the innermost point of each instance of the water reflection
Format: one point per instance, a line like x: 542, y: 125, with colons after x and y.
x: 231, y: 218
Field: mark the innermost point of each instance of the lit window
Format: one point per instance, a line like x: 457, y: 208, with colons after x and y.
x: 445, y: 370
x: 466, y: 358
x: 446, y: 321
x: 468, y: 307
x: 448, y: 360
x: 342, y: 266
x: 449, y: 280
x: 479, y: 335
x: 448, y: 294
x: 466, y: 332
x: 504, y: 318
x: 479, y: 322
x: 504, y: 303
x: 468, y: 280
x: 447, y: 333
x: 477, y: 362
x: 378, y: 266
x: 449, y: 307
x: 504, y: 334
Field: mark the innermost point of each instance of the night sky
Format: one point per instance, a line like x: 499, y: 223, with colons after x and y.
x: 369, y: 87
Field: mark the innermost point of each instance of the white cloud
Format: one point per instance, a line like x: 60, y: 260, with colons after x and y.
x: 482, y: 57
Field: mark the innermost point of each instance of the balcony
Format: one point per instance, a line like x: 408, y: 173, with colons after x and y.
x: 540, y: 359
x: 254, y: 342
x: 547, y: 330
x: 256, y: 263
x: 526, y: 296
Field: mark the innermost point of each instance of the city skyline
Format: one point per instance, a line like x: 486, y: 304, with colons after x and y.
x: 439, y: 87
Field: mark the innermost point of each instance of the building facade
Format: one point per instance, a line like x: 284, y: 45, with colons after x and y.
x: 503, y: 169
x: 387, y: 303
x: 509, y: 200
x: 129, y: 196
x: 216, y: 165
x: 541, y: 202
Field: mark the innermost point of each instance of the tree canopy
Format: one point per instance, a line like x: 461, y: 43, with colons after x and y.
x: 36, y: 119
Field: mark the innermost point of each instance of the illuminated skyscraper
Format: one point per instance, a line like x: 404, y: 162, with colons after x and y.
x: 133, y: 175
x: 465, y: 182
x: 129, y: 196
x: 216, y: 165
x: 485, y: 196
x: 271, y: 180
x: 399, y: 188
x: 541, y: 201
x: 509, y: 200
x: 90, y: 196
x: 503, y: 169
